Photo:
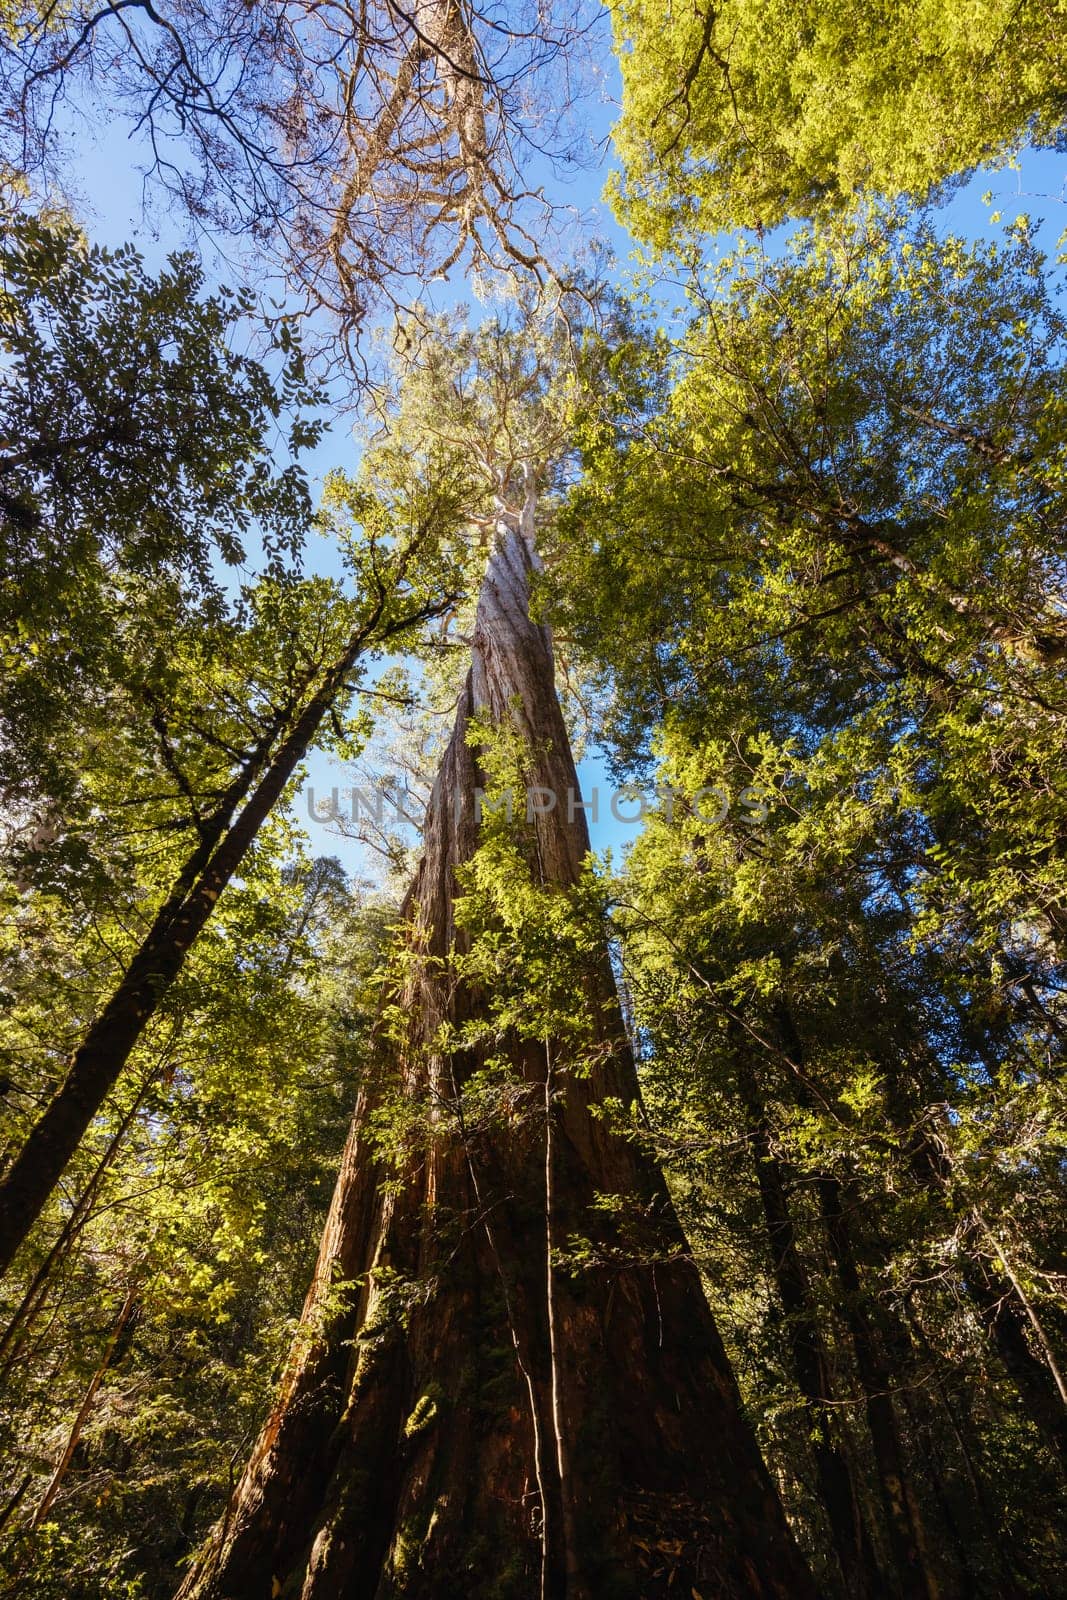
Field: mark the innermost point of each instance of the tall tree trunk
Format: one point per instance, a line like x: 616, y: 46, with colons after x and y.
x: 851, y: 1540
x: 903, y: 1514
x: 96, y: 1064
x: 470, y: 1417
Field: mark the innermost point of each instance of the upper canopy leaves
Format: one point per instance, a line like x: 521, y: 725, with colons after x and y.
x: 745, y: 113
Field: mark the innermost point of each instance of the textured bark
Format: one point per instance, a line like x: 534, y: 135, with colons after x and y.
x: 477, y: 1421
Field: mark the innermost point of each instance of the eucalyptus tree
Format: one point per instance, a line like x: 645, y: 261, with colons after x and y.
x: 538, y: 1402
x: 362, y: 147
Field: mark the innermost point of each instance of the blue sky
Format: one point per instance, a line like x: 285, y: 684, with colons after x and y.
x: 116, y: 206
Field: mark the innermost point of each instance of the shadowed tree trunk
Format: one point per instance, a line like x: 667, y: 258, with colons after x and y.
x: 225, y: 839
x: 851, y: 1542
x: 904, y: 1519
x: 1003, y: 1311
x: 1004, y: 1320
x: 469, y: 1418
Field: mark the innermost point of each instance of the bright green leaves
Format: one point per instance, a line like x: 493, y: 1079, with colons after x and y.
x: 135, y: 468
x: 400, y: 539
x: 238, y: 1101
x: 121, y: 389
x: 828, y: 560
x: 745, y: 114
x: 533, y: 948
x: 845, y: 534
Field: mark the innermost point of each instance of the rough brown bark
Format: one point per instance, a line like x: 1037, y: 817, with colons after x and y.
x: 477, y: 1420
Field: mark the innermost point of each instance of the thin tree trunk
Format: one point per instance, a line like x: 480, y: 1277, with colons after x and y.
x: 13, y: 1502
x: 1014, y: 1574
x: 29, y: 1308
x: 472, y: 1417
x: 96, y: 1064
x: 1000, y: 1309
x: 903, y: 1515
x: 1005, y: 1321
x: 851, y: 1540
x: 78, y: 1425
x: 923, y: 1425
x: 1003, y: 1308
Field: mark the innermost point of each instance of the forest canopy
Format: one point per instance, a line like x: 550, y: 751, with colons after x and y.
x: 631, y: 1161
x: 744, y: 115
